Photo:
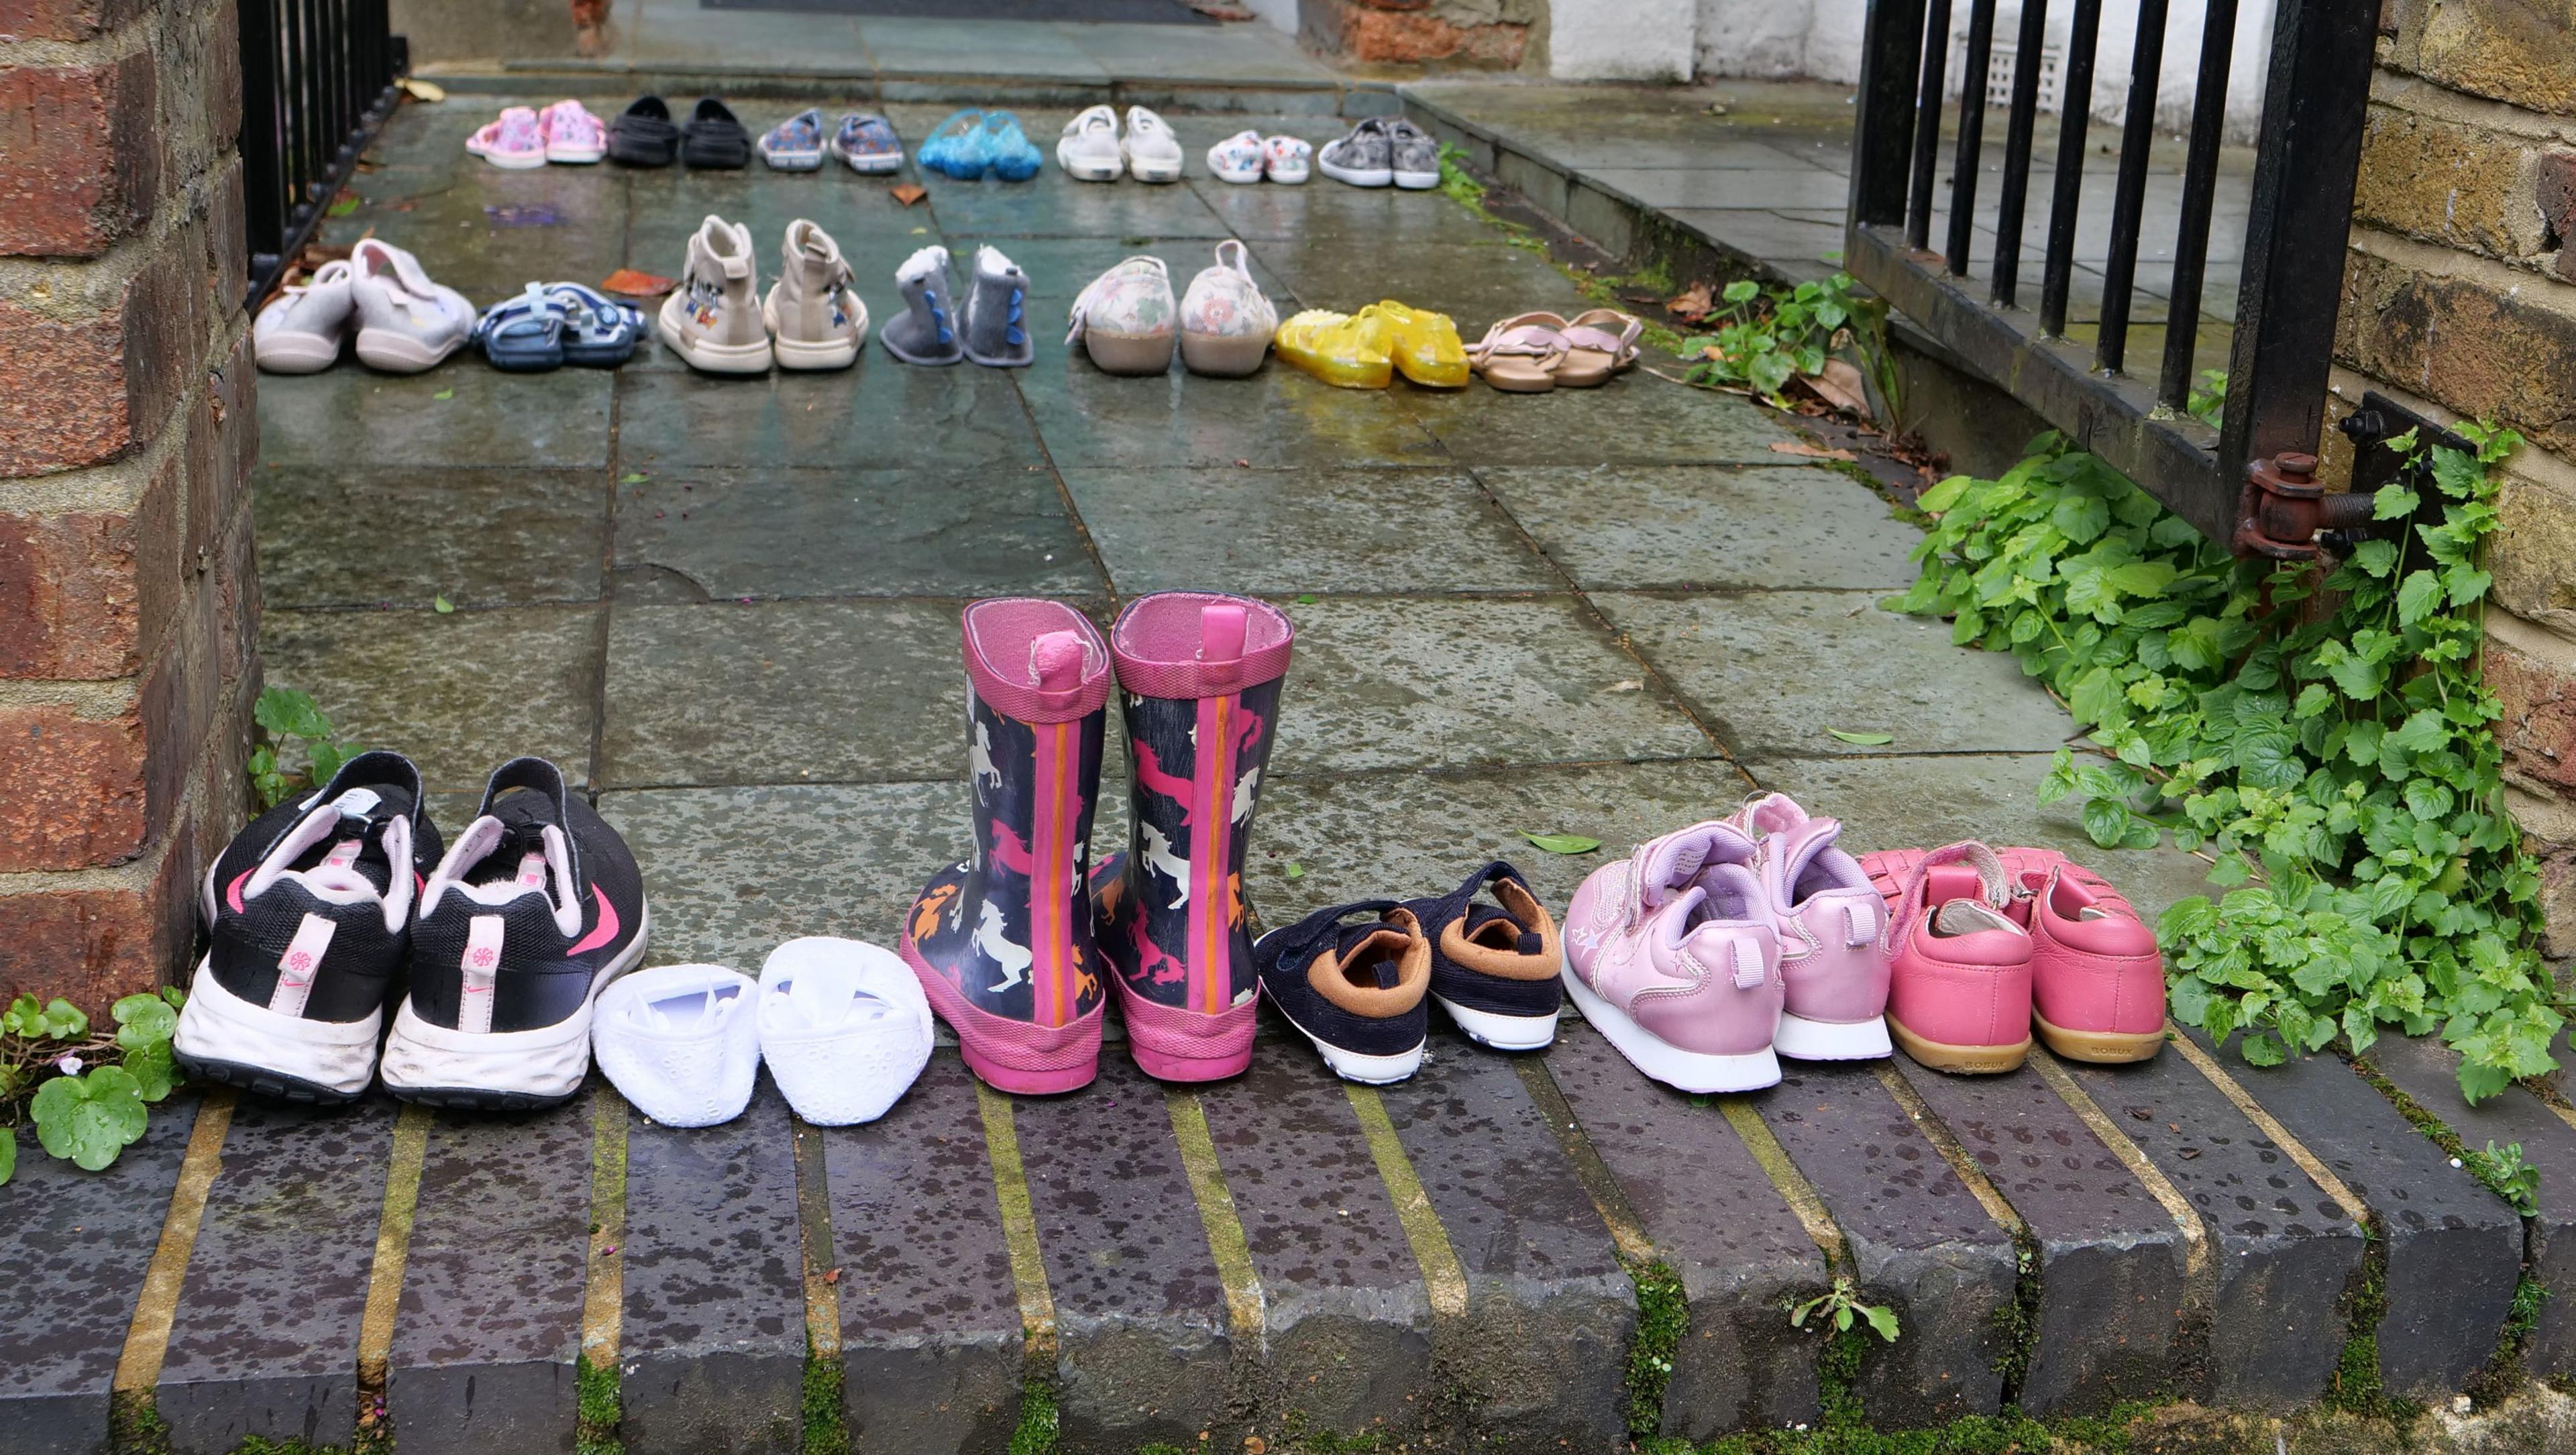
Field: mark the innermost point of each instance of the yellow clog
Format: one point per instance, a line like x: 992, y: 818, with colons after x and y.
x: 1345, y: 351
x: 1423, y: 345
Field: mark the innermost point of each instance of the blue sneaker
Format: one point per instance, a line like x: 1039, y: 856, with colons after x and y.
x: 598, y: 330
x: 867, y: 142
x: 796, y: 144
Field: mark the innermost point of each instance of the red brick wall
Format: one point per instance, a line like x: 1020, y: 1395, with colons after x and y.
x: 129, y: 603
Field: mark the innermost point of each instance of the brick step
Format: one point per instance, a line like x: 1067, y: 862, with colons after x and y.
x: 1458, y: 1257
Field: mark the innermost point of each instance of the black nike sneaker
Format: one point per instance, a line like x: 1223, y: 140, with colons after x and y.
x: 310, y: 912
x: 535, y: 908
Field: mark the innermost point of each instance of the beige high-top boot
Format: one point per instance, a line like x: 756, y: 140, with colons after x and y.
x: 817, y: 317
x: 713, y: 318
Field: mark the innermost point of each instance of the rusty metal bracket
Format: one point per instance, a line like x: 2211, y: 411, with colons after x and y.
x: 2284, y: 514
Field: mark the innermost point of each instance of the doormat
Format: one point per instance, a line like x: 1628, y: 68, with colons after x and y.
x: 1096, y: 12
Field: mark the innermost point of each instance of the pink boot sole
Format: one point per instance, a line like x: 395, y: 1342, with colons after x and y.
x: 1170, y: 1044
x: 1010, y: 1055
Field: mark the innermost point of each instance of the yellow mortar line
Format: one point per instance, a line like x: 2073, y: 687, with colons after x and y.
x: 1595, y: 1175
x: 1793, y: 1185
x: 814, y: 1234
x: 1247, y: 1310
x: 1019, y: 1224
x: 147, y: 1335
x: 1937, y: 1132
x: 603, y: 1301
x: 2199, y: 1265
x: 393, y: 1247
x: 1443, y: 1277
x: 2309, y: 1162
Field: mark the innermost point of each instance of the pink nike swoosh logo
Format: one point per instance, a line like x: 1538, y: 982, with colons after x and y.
x: 232, y: 892
x: 607, y: 928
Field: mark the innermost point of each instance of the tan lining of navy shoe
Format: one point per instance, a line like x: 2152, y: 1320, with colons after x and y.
x: 1508, y: 964
x: 1413, y: 970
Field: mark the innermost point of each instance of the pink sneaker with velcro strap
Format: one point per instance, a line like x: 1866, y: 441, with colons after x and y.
x: 1828, y: 915
x: 1671, y: 955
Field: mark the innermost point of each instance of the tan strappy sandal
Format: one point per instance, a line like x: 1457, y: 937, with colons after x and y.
x: 1520, y: 354
x: 1598, y: 344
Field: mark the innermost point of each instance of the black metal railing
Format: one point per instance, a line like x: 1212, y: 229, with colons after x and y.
x: 2298, y: 211
x: 318, y: 78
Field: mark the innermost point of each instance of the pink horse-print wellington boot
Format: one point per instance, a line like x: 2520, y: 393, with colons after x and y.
x: 1200, y: 675
x: 1002, y: 943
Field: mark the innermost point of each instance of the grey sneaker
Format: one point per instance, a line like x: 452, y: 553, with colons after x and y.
x: 814, y: 316
x: 1364, y: 158
x: 926, y: 331
x: 712, y: 319
x: 1415, y: 154
x: 997, y: 300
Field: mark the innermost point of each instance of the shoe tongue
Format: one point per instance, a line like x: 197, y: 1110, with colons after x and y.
x: 1055, y: 661
x: 1384, y: 971
x: 1968, y: 917
x: 356, y: 844
x: 1677, y: 858
x: 520, y: 852
x: 1799, y: 846
x: 1507, y: 932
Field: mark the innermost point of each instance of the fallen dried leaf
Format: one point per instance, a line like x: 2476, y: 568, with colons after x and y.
x: 1693, y: 303
x: 420, y: 90
x: 636, y: 284
x: 1807, y: 451
x: 832, y: 1276
x: 908, y: 193
x: 1840, y: 386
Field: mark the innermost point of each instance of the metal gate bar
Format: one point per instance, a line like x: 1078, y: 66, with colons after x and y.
x: 2318, y: 80
x: 318, y: 78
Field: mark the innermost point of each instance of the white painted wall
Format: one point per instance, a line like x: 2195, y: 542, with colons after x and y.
x: 1822, y: 39
x: 1622, y: 40
x: 1280, y: 13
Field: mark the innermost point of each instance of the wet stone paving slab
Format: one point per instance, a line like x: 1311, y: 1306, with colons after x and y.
x: 728, y: 608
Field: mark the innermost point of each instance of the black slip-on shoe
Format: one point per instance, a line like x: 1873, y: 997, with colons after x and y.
x: 642, y: 135
x: 714, y: 137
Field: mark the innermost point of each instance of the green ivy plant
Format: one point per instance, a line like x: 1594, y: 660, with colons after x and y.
x: 89, y: 1092
x: 2335, y: 765
x: 291, y: 725
x: 1760, y: 341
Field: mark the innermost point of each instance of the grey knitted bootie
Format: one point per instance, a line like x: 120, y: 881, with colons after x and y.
x: 926, y: 331
x: 997, y: 298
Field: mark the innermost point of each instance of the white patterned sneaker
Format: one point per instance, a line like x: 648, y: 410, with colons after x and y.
x: 1124, y: 318
x: 1238, y: 158
x: 1152, y: 152
x: 1226, y: 322
x: 815, y: 317
x: 1287, y: 159
x: 406, y: 323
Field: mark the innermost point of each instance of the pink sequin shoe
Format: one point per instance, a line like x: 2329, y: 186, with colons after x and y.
x: 573, y: 136
x: 1671, y: 955
x: 1828, y: 916
x: 514, y: 141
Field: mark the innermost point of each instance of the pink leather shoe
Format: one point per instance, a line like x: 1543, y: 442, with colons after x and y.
x: 1959, y: 967
x: 1828, y: 917
x: 2097, y: 978
x: 1671, y: 955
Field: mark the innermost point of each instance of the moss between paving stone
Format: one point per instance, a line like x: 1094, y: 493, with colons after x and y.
x: 1038, y: 1421
x: 827, y: 1422
x: 2505, y: 1369
x: 597, y: 1398
x: 1663, y: 1317
x: 134, y: 1426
